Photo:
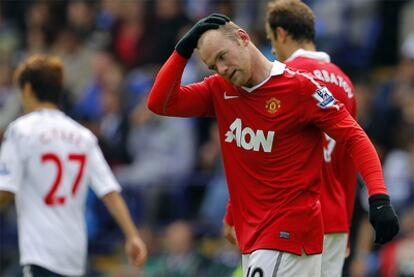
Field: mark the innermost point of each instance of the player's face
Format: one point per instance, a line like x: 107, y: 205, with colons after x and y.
x: 277, y: 46
x: 227, y: 56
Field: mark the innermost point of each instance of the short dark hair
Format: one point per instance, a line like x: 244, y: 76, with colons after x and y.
x: 294, y: 16
x: 45, y: 75
x: 229, y: 30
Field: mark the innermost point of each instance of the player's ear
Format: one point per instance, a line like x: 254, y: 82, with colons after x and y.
x: 28, y: 93
x: 27, y: 90
x: 281, y: 34
x: 244, y: 36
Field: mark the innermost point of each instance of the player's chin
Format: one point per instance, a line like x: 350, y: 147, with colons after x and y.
x: 236, y: 80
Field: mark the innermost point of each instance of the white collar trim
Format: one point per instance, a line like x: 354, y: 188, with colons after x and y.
x: 277, y: 69
x: 316, y: 55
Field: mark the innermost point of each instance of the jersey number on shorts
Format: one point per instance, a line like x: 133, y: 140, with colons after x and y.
x: 51, y: 198
x: 256, y: 272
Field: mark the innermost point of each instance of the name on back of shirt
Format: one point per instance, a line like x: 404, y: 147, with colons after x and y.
x: 57, y: 134
x: 330, y: 77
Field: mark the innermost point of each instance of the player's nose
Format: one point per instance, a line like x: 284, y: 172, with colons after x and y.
x: 222, y: 69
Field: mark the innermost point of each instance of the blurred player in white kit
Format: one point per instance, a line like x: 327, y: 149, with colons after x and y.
x: 47, y: 161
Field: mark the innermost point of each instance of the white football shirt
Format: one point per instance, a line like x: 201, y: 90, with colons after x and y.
x: 48, y: 160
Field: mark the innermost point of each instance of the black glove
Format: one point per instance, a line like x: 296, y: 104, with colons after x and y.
x: 188, y: 42
x: 383, y: 218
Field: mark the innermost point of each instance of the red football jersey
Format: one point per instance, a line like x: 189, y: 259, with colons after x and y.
x: 338, y: 172
x: 271, y: 143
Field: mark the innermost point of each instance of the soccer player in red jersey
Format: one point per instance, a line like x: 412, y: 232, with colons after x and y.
x: 270, y: 120
x: 290, y: 26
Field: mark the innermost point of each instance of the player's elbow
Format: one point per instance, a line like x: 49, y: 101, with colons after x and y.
x: 154, y: 105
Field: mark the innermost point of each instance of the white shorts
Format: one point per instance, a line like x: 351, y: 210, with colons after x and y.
x: 273, y: 263
x: 333, y: 256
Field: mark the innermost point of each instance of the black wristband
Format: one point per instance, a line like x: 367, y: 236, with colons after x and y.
x: 379, y: 199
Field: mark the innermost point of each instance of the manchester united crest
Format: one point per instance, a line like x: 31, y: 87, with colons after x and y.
x: 272, y: 105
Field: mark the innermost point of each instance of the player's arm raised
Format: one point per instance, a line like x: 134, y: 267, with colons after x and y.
x: 167, y: 96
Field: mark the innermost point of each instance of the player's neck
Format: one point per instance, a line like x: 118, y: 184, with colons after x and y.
x: 44, y: 105
x: 308, y: 46
x: 262, y: 68
x: 295, y: 45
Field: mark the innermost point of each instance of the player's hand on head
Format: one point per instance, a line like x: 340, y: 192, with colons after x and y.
x: 136, y: 251
x: 383, y: 218
x: 188, y: 42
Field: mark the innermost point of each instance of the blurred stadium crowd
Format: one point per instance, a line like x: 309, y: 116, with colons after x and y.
x: 170, y: 168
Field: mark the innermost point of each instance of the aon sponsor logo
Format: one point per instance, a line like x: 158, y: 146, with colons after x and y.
x: 248, y: 139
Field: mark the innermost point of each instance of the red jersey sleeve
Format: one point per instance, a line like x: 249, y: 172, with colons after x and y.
x: 321, y: 108
x: 168, y: 97
x: 365, y: 157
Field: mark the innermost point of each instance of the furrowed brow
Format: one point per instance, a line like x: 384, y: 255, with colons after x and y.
x: 212, y: 66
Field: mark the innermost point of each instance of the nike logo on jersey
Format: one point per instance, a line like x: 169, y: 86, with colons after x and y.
x: 380, y: 207
x: 226, y: 97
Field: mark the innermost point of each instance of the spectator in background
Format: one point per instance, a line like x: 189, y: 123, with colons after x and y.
x: 227, y: 7
x: 77, y: 59
x: 391, y: 96
x: 108, y: 11
x: 396, y: 258
x: 47, y: 16
x: 81, y: 18
x: 406, y: 21
x: 131, y: 37
x: 39, y: 15
x: 36, y: 42
x: 169, y: 24
x: 9, y: 34
x: 162, y: 152
x: 100, y: 108
x: 364, y: 98
x: 10, y: 106
x: 348, y: 30
x: 106, y: 14
x: 106, y: 75
x: 392, y: 127
x: 179, y: 258
x: 216, y: 195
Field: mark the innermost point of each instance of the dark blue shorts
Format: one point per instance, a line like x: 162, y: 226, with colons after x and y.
x: 37, y: 271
